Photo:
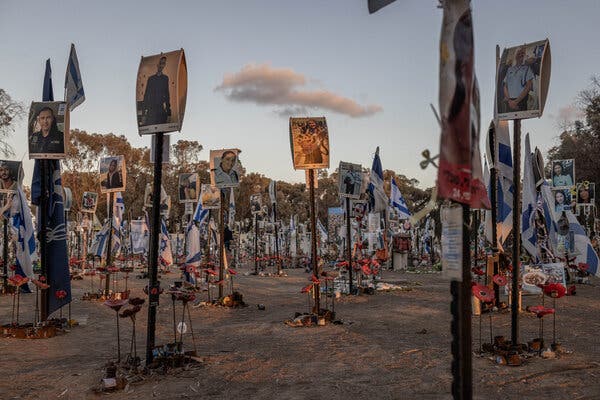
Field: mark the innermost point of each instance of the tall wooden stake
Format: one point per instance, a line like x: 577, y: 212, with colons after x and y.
x: 222, y: 244
x: 256, y: 244
x: 43, y: 212
x: 313, y: 240
x: 277, y: 260
x: 349, y: 246
x: 153, y: 283
x: 109, y: 244
x: 516, y: 250
x: 5, y: 256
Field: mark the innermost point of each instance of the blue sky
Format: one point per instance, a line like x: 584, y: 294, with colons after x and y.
x: 388, y: 59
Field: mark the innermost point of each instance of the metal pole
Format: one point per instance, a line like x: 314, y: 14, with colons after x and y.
x: 109, y: 244
x: 516, y: 250
x: 313, y: 239
x: 222, y: 244
x: 153, y: 283
x: 277, y: 260
x: 256, y: 244
x: 43, y: 212
x: 349, y: 245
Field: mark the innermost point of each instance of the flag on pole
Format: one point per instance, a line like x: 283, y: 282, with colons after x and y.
x: 165, y: 253
x: 74, y: 94
x: 377, y: 197
x: 231, y: 209
x: 584, y: 252
x: 528, y: 229
x: 57, y: 268
x: 398, y: 202
x: 22, y: 225
x: 100, y: 241
x: 118, y: 209
x: 193, y: 252
x: 200, y: 214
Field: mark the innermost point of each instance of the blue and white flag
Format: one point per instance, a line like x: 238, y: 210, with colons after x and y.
x: 201, y: 214
x: 584, y: 252
x: 100, y: 242
x: 118, y: 209
x: 165, y: 253
x: 377, y: 198
x: 139, y: 236
x: 529, y: 205
x: 22, y: 225
x: 398, y: 202
x: 231, y: 221
x: 322, y: 231
x: 74, y: 94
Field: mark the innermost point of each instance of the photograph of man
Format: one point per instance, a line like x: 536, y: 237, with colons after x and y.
x: 585, y: 192
x: 562, y: 173
x: 187, y: 187
x: 517, y: 83
x: 156, y: 105
x: 224, y: 168
x: 350, y: 180
x: 46, y: 137
x: 255, y: 203
x: 8, y: 180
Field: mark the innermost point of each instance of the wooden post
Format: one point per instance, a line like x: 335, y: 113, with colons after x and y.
x: 516, y: 250
x: 313, y: 240
x: 109, y: 244
x: 349, y: 246
x: 43, y: 213
x: 222, y: 243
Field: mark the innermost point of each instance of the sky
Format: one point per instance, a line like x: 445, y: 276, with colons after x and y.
x: 372, y: 76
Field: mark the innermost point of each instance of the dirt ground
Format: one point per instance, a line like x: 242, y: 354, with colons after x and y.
x: 391, y: 345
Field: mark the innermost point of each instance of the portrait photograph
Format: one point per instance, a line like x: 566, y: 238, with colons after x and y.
x: 586, y: 193
x: 225, y: 168
x: 522, y: 80
x: 255, y: 203
x: 359, y: 208
x: 309, y: 140
x: 11, y: 176
x: 350, y: 180
x: 112, y: 174
x: 89, y: 202
x: 188, y: 188
x: 161, y: 91
x: 48, y: 129
x: 210, y: 196
x: 563, y: 173
x: 335, y: 222
x: 563, y: 200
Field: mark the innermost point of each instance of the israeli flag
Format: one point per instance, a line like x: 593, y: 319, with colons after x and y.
x: 200, y: 215
x: 74, y: 94
x: 100, y: 242
x: 118, y: 209
x: 584, y: 252
x: 377, y: 198
x: 166, y: 255
x: 322, y: 231
x: 398, y: 202
x: 231, y: 209
x: 529, y: 205
x: 22, y: 226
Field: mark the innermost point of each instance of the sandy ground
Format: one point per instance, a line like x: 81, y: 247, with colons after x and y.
x: 391, y: 345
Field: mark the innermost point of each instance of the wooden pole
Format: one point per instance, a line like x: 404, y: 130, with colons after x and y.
x: 109, y: 244
x: 277, y: 260
x: 313, y: 239
x: 43, y: 212
x: 516, y: 250
x: 5, y: 257
x: 153, y: 283
x: 222, y: 244
x: 349, y: 246
x: 256, y: 243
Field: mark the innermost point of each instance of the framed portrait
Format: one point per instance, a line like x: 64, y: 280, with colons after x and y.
x: 358, y: 208
x: 48, y: 129
x: 188, y: 188
x: 309, y: 139
x: 113, y: 174
x: 563, y: 173
x: 166, y: 149
x: 255, y: 203
x: 160, y: 93
x: 210, y: 196
x: 350, y: 180
x: 89, y: 202
x: 563, y: 200
x: 523, y: 77
x: 335, y: 222
x: 11, y: 176
x: 586, y: 193
x: 225, y: 168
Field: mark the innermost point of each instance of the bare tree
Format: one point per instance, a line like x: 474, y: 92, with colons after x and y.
x: 10, y: 112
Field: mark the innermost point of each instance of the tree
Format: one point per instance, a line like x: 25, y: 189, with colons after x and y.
x: 10, y: 112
